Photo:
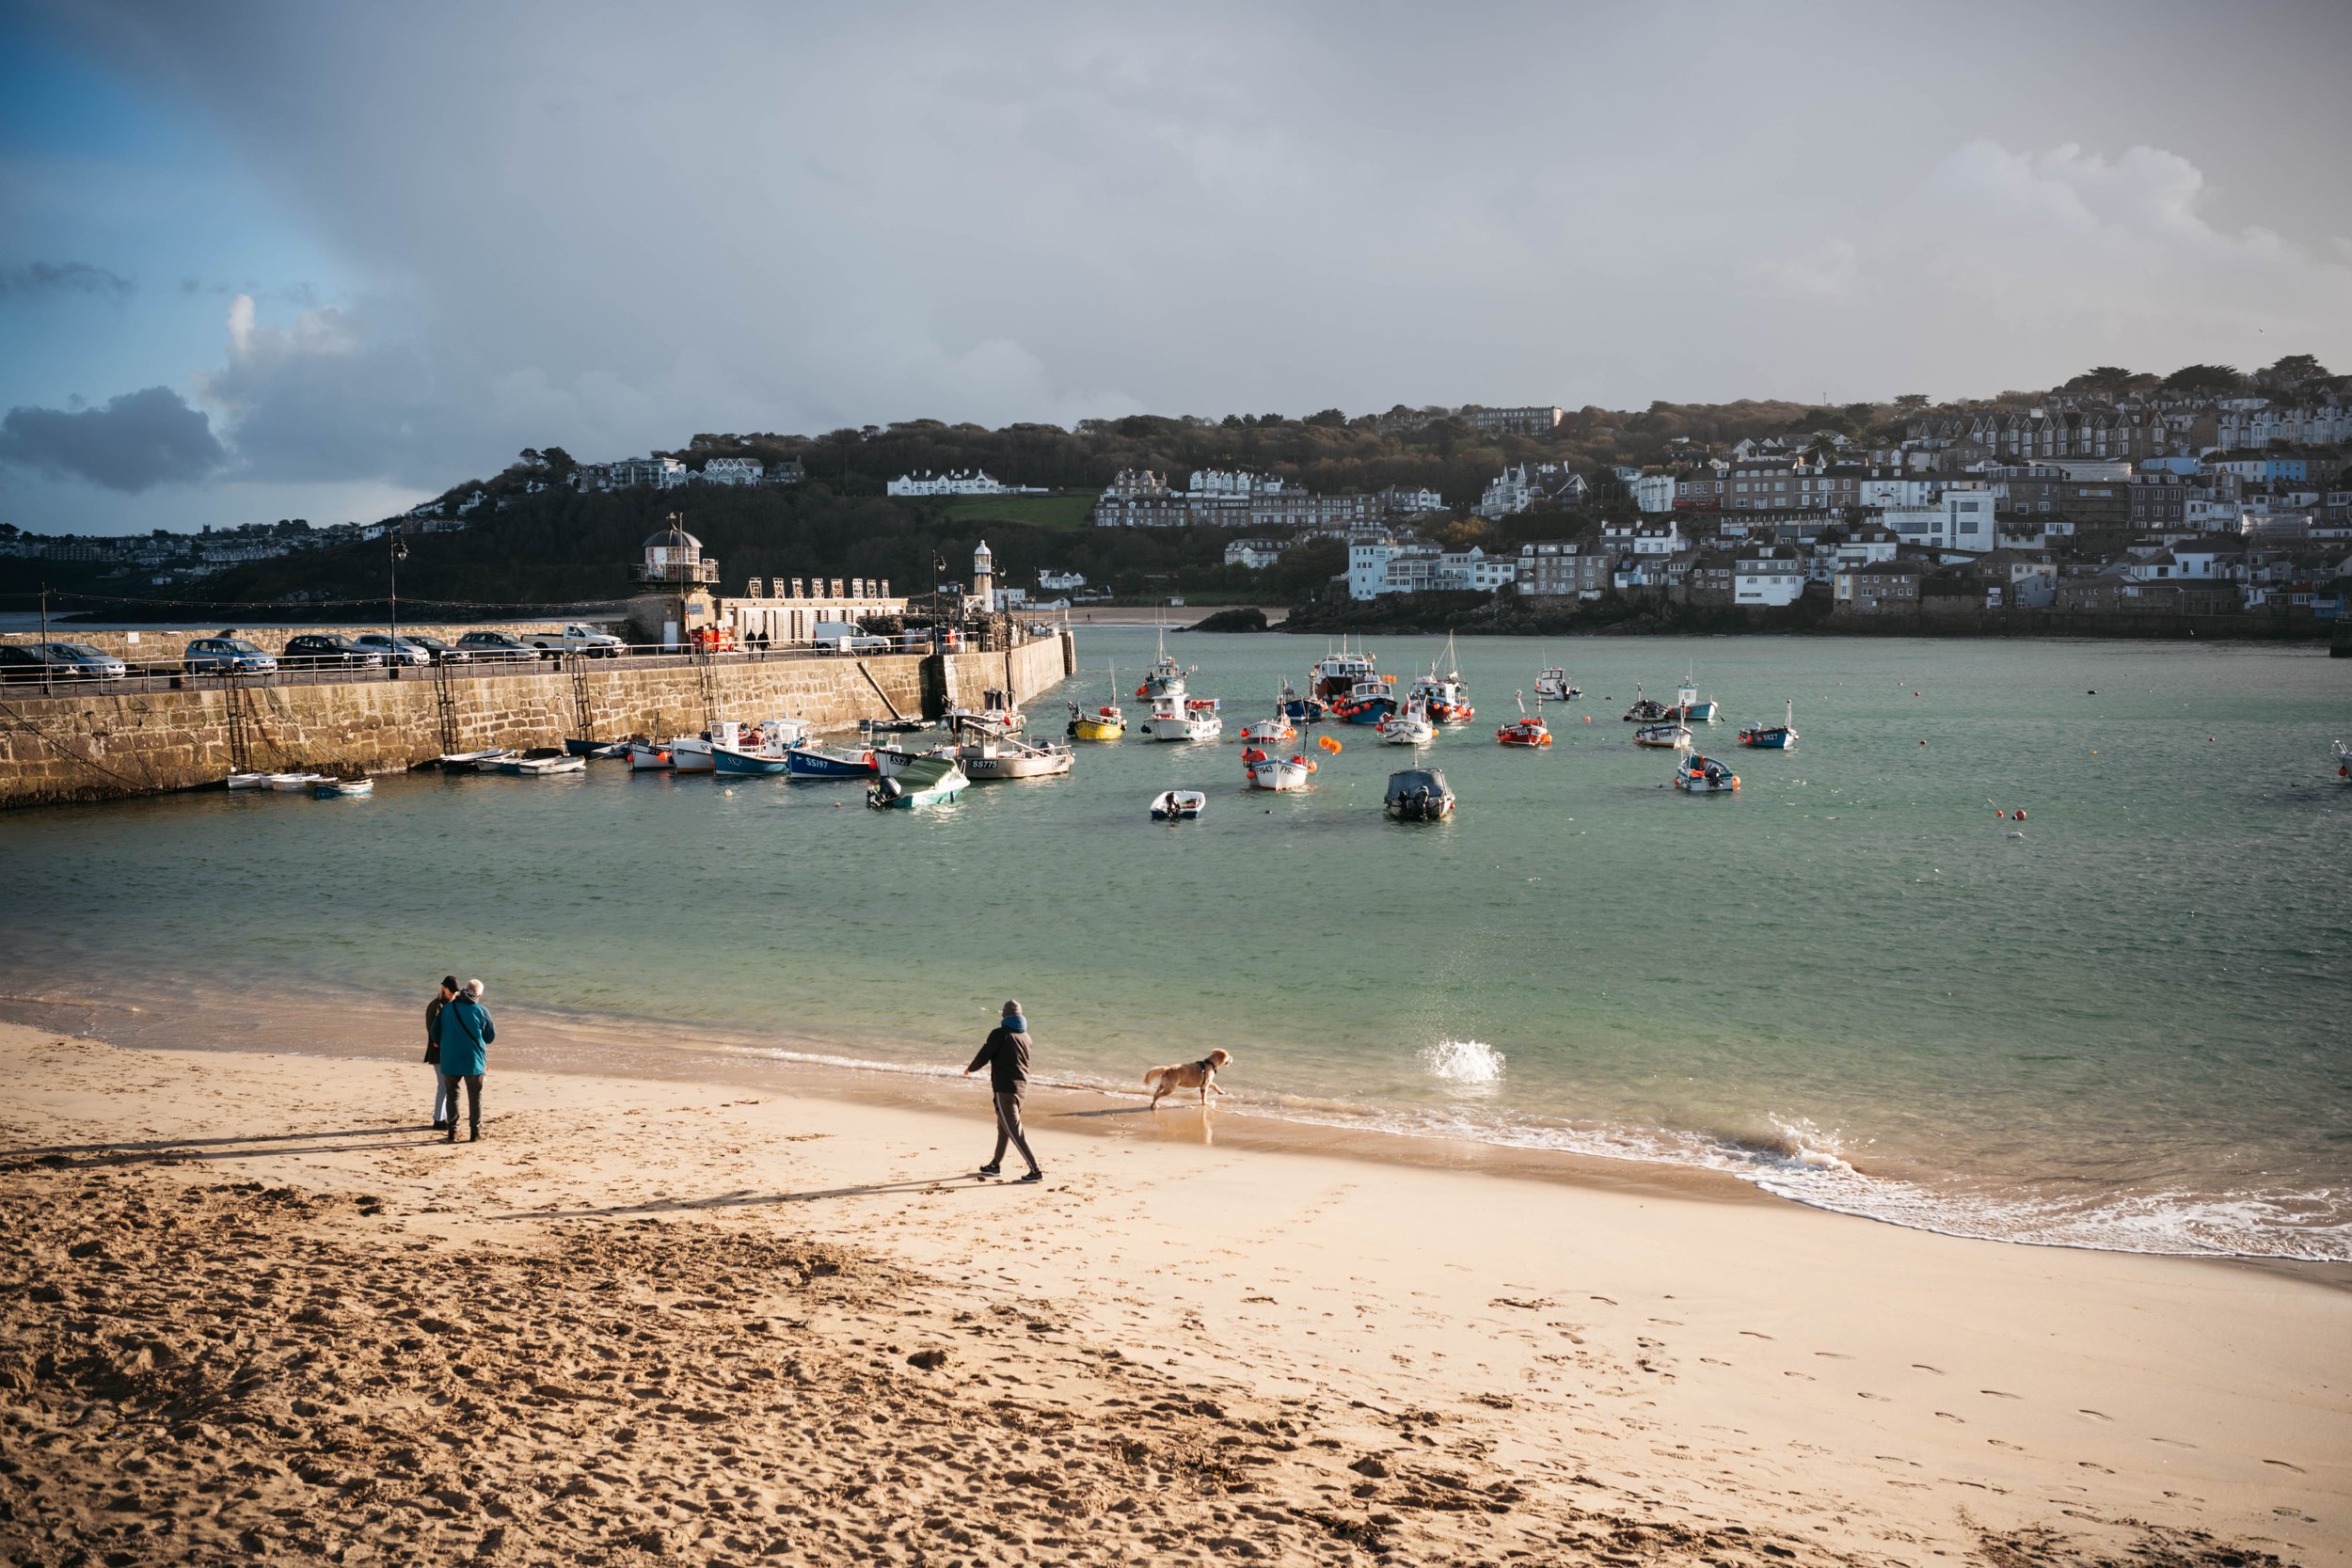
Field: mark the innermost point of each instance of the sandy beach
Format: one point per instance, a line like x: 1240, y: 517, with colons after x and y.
x: 255, y: 1311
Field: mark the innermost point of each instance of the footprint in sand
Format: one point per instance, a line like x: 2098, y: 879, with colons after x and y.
x: 2086, y: 1464
x: 1949, y: 1416
x: 1923, y: 1366
x: 2172, y: 1442
x: 1753, y: 1334
x: 2285, y: 1466
x: 1833, y: 1356
x: 1999, y: 1444
x: 1999, y: 1394
x: 1881, y: 1397
x: 1807, y: 1376
x: 2095, y: 1415
x: 1605, y: 1299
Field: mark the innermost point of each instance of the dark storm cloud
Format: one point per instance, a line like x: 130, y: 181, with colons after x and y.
x: 32, y: 278
x: 136, y: 442
x: 650, y: 222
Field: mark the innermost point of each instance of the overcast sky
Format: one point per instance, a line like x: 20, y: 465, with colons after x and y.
x: 290, y: 259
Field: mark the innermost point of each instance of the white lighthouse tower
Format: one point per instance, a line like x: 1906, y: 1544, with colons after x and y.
x: 984, y: 579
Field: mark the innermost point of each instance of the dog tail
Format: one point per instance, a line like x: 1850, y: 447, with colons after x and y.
x: 1155, y: 1074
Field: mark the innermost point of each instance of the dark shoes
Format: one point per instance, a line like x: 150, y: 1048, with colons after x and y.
x: 476, y: 1138
x: 992, y: 1170
x: 1033, y: 1176
x: 440, y: 1127
x: 450, y: 1136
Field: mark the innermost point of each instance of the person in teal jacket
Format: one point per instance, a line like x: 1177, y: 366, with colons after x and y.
x: 466, y: 1036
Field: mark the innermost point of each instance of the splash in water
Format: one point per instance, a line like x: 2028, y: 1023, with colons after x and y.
x: 1463, y: 1062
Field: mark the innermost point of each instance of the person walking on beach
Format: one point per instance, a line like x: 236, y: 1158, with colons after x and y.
x: 441, y: 1108
x: 466, y: 1036
x: 1006, y: 1055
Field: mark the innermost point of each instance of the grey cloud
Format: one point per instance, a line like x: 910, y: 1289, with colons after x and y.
x: 137, y: 441
x: 30, y: 278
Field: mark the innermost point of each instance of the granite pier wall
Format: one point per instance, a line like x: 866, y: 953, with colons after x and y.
x: 92, y: 743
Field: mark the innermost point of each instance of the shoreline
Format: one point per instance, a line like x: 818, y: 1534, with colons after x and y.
x: 573, y: 1045
x: 1695, y: 1381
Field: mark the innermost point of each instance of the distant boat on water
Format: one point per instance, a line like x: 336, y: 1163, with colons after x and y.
x: 1774, y: 737
x: 1698, y: 775
x: 1645, y: 710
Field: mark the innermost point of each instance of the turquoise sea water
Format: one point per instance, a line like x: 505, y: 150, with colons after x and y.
x: 1849, y: 983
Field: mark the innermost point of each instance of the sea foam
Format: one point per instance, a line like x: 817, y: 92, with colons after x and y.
x: 1462, y: 1062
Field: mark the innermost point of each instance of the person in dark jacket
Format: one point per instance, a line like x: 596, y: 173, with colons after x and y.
x: 1007, y: 1057
x: 441, y: 1118
x: 466, y: 1036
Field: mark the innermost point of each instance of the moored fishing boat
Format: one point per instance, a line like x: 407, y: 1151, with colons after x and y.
x: 1408, y: 726
x: 1444, y: 699
x: 1337, y: 675
x: 294, y: 784
x: 1177, y: 805
x: 1304, y: 710
x: 986, y: 760
x: 1645, y: 710
x: 2343, y: 761
x: 1419, y: 795
x: 1774, y: 737
x: 1271, y: 773
x: 644, y: 755
x: 995, y: 720
x: 890, y: 761
x: 342, y: 789
x: 1107, y: 723
x: 1687, y: 705
x: 1698, y: 775
x: 1527, y: 729
x: 1166, y: 678
x: 467, y: 762
x: 249, y: 781
x: 926, y: 781
x: 1184, y: 718
x: 594, y: 749
x: 1551, y: 686
x: 828, y: 762
x: 1367, y: 703
x: 763, y: 752
x: 1277, y: 731
x: 690, y: 754
x: 1669, y: 735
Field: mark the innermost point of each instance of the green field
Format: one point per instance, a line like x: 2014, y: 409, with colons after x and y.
x: 1036, y: 511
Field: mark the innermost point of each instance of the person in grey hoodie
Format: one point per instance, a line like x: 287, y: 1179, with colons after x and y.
x: 1006, y: 1055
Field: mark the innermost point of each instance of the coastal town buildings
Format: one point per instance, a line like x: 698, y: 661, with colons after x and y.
x: 959, y: 481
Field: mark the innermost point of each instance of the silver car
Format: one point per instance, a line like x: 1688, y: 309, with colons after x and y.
x: 411, y: 651
x: 231, y: 655
x: 66, y: 661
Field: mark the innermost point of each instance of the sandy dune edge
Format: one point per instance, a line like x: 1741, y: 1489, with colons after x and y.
x: 251, y: 1312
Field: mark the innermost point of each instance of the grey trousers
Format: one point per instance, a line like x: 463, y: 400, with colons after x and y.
x: 443, y: 1110
x: 1009, y: 1131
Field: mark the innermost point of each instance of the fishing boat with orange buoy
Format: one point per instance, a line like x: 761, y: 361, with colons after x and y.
x: 1666, y: 736
x: 1105, y: 723
x: 1367, y: 703
x: 1527, y: 729
x: 1277, y: 731
x: 1773, y: 737
x: 1271, y: 773
x: 1698, y: 775
x: 2343, y: 761
x: 1337, y: 675
x: 1444, y: 699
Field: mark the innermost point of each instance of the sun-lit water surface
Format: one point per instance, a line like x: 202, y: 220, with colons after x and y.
x: 1851, y: 983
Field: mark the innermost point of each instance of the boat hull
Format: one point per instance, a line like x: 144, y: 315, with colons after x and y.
x: 1768, y: 740
x: 644, y: 758
x: 690, y: 754
x: 1278, y: 776
x: 1179, y: 805
x: 1096, y: 729
x: 747, y: 764
x: 1669, y: 737
x: 808, y: 762
x: 342, y: 789
x: 1019, y: 766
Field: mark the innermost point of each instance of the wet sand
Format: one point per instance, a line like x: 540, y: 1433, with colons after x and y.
x: 256, y: 1312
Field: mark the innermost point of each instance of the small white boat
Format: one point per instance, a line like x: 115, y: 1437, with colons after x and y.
x: 249, y: 781
x: 540, y: 762
x: 1271, y: 773
x: 647, y: 755
x: 1177, y: 805
x: 984, y: 760
x: 1277, y: 731
x: 342, y: 789
x: 926, y: 781
x: 890, y: 761
x: 1687, y: 705
x: 1184, y: 718
x: 294, y: 784
x: 2343, y: 762
x: 1668, y: 735
x: 993, y: 722
x: 466, y: 762
x: 1407, y: 726
x: 1166, y: 678
x: 1551, y: 686
x: 692, y: 753
x: 1699, y: 775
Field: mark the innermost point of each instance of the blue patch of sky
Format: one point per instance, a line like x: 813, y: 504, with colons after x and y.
x: 97, y: 171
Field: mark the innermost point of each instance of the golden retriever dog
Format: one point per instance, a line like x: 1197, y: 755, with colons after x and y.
x: 1199, y: 1075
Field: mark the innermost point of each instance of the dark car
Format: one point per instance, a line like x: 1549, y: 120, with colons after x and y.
x: 439, y: 651
x: 323, y: 650
x: 494, y: 646
x: 58, y: 661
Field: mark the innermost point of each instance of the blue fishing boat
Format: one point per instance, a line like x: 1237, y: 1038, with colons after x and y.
x: 1301, y: 710
x: 1773, y: 737
x: 823, y: 762
x: 923, y: 782
x: 1368, y: 702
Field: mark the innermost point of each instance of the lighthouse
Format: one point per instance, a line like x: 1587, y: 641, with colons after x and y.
x: 984, y: 579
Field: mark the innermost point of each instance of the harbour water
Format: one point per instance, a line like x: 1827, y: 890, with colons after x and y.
x: 2122, y: 1022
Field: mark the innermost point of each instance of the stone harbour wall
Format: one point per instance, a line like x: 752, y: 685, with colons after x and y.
x: 91, y: 744
x: 166, y: 646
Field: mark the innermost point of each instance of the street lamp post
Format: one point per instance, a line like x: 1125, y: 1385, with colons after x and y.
x: 400, y: 553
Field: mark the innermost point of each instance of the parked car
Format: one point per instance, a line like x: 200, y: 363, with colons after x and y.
x: 231, y: 655
x: 327, y: 650
x: 380, y: 643
x: 58, y: 661
x: 577, y: 639
x: 495, y: 645
x: 443, y: 653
